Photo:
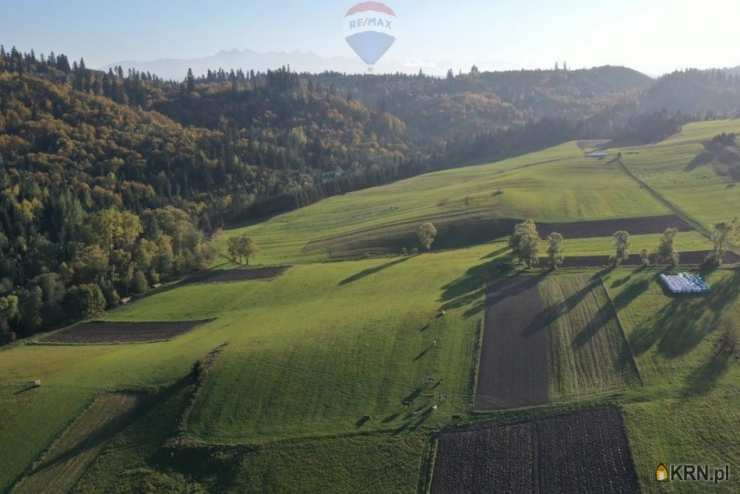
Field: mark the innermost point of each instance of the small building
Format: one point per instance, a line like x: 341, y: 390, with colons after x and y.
x: 598, y: 154
x: 685, y: 283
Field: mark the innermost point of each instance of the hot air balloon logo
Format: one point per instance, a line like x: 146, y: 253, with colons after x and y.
x: 368, y: 29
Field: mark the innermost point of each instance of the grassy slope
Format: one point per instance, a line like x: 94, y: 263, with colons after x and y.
x: 685, y: 242
x: 557, y: 184
x: 589, y: 353
x: 308, y: 359
x: 701, y: 193
x: 68, y: 458
x: 305, y: 358
x: 359, y: 464
x: 694, y: 415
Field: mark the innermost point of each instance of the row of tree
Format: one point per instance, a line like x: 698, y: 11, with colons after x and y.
x: 525, y: 246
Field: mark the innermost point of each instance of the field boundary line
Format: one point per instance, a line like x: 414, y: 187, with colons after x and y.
x: 660, y: 198
x: 622, y: 332
x: 478, y: 350
x: 426, y: 474
x: 201, y: 370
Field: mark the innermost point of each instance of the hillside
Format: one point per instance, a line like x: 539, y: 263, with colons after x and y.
x: 356, y: 376
x: 695, y: 92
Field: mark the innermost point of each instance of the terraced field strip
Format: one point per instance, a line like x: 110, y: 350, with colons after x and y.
x: 513, y: 369
x: 589, y: 352
x: 66, y: 460
x: 585, y: 451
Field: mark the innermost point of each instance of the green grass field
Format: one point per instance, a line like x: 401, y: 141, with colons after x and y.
x: 65, y: 462
x: 701, y: 193
x: 589, y: 353
x: 555, y: 185
x: 337, y: 372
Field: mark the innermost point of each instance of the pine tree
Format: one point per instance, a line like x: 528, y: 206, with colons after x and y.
x: 190, y: 81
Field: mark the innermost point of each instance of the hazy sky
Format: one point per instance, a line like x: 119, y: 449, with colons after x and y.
x: 653, y: 36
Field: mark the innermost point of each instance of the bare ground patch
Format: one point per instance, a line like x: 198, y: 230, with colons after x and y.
x: 105, y: 332
x: 605, y: 228
x: 514, y: 365
x: 586, y: 451
x: 66, y: 460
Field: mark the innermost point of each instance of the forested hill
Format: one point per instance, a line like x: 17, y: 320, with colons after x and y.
x: 442, y: 109
x: 695, y: 92
x: 110, y: 182
x: 100, y: 200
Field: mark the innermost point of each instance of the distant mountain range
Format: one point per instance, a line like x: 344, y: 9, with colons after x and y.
x: 299, y: 61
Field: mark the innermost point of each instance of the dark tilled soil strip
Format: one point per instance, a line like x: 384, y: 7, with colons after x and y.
x: 606, y: 228
x: 102, y: 332
x: 514, y: 356
x: 464, y: 229
x: 693, y: 258
x: 586, y: 451
x: 221, y: 276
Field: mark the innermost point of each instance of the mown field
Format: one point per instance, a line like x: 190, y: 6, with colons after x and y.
x: 68, y: 458
x: 337, y: 373
x: 555, y: 185
x: 589, y: 353
x: 699, y: 192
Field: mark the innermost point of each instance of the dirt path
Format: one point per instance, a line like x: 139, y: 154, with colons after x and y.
x: 514, y: 357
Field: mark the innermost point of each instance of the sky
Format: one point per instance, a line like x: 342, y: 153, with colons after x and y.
x: 653, y: 36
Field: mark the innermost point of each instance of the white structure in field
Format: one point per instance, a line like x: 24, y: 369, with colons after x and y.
x: 684, y: 283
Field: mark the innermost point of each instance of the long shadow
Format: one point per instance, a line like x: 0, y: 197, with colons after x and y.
x: 496, y: 253
x: 554, y: 312
x: 632, y: 292
x: 471, y: 287
x: 103, y: 434
x: 704, y: 378
x: 372, y: 271
x: 25, y: 389
x: 411, y: 397
x: 423, y: 353
x: 684, y: 323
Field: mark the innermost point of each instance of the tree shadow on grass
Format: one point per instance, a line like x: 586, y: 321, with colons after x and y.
x: 496, y: 253
x: 25, y: 389
x: 469, y: 290
x: 373, y: 270
x: 411, y: 397
x: 107, y: 431
x: 553, y: 312
x: 704, y: 378
x: 632, y: 292
x: 683, y: 324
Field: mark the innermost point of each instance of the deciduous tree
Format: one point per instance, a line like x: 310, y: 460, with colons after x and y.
x: 555, y: 250
x: 622, y: 247
x: 427, y: 234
